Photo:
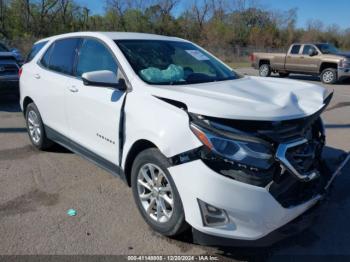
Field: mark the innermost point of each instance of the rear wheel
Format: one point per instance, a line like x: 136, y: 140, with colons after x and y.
x: 329, y: 76
x: 155, y: 193
x: 264, y: 70
x: 35, y: 128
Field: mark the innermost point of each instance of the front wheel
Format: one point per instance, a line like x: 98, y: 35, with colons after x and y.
x: 264, y: 70
x: 329, y: 76
x: 155, y: 193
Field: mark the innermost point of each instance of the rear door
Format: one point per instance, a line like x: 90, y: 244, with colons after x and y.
x: 93, y: 112
x: 294, y: 58
x: 50, y: 80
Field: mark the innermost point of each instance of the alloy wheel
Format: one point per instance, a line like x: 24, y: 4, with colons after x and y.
x: 328, y: 76
x: 34, y: 126
x: 155, y: 193
x: 264, y: 70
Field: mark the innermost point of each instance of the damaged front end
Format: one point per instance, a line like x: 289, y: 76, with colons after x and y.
x: 283, y: 156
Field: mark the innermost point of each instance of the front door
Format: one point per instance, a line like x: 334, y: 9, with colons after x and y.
x: 93, y: 112
x: 310, y: 64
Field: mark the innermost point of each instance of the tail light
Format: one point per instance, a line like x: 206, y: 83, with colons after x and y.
x: 252, y: 57
x: 20, y: 72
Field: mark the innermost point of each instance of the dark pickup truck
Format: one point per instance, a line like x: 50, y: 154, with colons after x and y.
x: 10, y: 63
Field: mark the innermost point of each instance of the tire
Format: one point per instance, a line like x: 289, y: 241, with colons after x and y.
x: 329, y: 76
x: 283, y: 74
x: 264, y: 70
x: 35, y: 128
x: 173, y: 224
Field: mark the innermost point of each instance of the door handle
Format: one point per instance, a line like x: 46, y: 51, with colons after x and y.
x: 73, y: 89
x: 37, y: 76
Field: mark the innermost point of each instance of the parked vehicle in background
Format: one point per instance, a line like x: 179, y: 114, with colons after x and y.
x: 10, y: 63
x: 237, y: 158
x: 321, y: 59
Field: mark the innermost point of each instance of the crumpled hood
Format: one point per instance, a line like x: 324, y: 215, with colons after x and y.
x: 248, y: 98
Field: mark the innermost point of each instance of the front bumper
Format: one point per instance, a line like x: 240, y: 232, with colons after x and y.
x: 253, y: 212
x: 343, y: 73
x: 292, y: 228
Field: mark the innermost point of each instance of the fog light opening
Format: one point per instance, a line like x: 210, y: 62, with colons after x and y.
x: 212, y: 216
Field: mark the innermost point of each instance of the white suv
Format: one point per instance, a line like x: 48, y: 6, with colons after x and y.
x: 234, y: 157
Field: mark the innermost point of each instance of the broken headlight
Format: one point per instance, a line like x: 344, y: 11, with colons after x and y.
x: 243, y: 151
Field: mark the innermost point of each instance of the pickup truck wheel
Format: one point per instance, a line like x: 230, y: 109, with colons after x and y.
x: 35, y: 128
x: 155, y: 193
x: 265, y: 70
x: 283, y: 74
x: 329, y: 76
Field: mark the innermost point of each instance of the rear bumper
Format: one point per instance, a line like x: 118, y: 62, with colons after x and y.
x: 9, y: 85
x: 343, y: 73
x: 255, y: 65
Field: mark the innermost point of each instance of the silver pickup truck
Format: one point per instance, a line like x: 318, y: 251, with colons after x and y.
x: 10, y: 63
x: 321, y: 59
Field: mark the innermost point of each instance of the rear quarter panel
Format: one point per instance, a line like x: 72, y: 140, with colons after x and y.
x: 277, y: 60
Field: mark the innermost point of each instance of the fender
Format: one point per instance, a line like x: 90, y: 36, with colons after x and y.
x: 167, y: 128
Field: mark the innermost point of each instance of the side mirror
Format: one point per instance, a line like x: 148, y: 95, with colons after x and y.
x: 103, y: 78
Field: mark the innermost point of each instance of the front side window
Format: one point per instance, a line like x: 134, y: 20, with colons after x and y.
x: 35, y: 49
x: 173, y: 62
x: 61, y: 55
x: 295, y: 49
x: 94, y: 56
x: 307, y: 49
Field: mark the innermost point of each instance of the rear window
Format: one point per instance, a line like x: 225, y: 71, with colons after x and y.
x: 295, y: 49
x: 35, y: 49
x: 61, y: 55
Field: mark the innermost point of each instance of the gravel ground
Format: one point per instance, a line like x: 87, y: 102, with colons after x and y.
x: 37, y: 188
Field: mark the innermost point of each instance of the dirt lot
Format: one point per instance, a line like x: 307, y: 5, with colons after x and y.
x: 37, y: 188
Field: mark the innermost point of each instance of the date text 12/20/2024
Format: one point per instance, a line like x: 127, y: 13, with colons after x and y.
x: 173, y: 258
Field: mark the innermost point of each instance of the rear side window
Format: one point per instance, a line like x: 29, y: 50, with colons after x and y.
x: 35, y: 49
x: 45, y: 60
x: 295, y: 49
x: 94, y: 56
x: 60, y: 56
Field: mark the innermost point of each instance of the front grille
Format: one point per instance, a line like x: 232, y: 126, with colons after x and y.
x: 290, y: 191
x: 302, y: 157
x: 8, y: 69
